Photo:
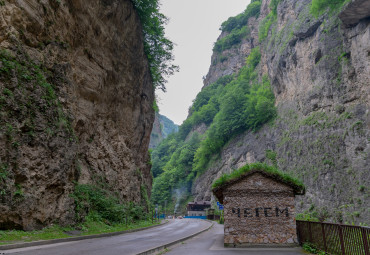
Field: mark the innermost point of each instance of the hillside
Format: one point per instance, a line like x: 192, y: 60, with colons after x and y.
x: 162, y: 127
x: 288, y: 85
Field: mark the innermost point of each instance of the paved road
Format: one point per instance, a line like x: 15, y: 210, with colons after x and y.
x: 211, y: 243
x: 126, y: 244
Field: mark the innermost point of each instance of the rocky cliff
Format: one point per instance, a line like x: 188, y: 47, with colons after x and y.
x: 75, y: 106
x: 317, y: 63
x: 320, y: 75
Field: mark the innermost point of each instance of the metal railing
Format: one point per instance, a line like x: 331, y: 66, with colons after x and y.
x: 335, y: 238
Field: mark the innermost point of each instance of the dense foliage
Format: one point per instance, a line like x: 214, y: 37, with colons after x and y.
x: 157, y: 47
x: 239, y: 21
x: 98, y: 205
x: 225, y: 178
x: 319, y: 6
x: 245, y: 104
x: 235, y: 37
x: 174, y: 168
x: 231, y: 105
x: 236, y: 27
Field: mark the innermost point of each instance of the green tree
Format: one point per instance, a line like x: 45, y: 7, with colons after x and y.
x: 176, y: 170
x: 157, y: 47
x: 241, y: 20
x: 245, y: 104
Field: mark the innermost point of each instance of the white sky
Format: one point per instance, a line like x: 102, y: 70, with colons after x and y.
x: 193, y: 27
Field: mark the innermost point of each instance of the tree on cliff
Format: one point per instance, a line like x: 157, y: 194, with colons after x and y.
x: 157, y: 47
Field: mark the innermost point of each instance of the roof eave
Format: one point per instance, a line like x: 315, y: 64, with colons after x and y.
x: 218, y: 191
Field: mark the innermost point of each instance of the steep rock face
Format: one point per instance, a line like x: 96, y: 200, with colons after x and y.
x: 319, y: 71
x: 354, y: 12
x: 97, y: 128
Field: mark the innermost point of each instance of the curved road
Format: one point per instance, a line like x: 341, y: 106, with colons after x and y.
x: 127, y: 244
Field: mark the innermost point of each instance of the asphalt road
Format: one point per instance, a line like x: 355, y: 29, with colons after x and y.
x: 211, y: 242
x: 126, y: 244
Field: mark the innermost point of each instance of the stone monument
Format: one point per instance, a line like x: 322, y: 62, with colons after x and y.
x: 259, y: 207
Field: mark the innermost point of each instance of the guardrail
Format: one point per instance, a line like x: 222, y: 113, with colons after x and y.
x: 335, y: 239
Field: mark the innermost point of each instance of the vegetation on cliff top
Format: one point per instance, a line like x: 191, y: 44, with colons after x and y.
x: 239, y: 21
x: 318, y: 7
x: 245, y: 104
x: 236, y: 27
x: 157, y: 47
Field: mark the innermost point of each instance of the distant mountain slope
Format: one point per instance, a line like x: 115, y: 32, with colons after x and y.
x: 162, y: 127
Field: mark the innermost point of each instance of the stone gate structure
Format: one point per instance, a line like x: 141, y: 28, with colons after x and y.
x: 259, y: 210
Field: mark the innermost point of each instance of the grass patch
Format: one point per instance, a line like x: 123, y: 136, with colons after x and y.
x: 90, y: 227
x: 226, y: 178
x: 97, y: 211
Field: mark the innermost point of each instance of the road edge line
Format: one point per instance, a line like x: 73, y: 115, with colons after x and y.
x: 72, y: 239
x: 168, y: 245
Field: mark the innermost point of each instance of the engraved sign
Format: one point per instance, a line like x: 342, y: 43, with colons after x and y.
x: 261, y: 212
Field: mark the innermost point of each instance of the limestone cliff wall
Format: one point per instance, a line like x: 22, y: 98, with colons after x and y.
x: 319, y: 69
x: 90, y: 125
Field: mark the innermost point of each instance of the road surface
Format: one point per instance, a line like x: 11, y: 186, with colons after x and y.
x: 211, y: 242
x: 126, y: 244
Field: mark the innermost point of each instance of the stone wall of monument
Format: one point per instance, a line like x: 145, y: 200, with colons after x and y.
x: 259, y: 211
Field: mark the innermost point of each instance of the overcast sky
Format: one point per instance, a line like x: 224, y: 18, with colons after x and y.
x: 193, y: 27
